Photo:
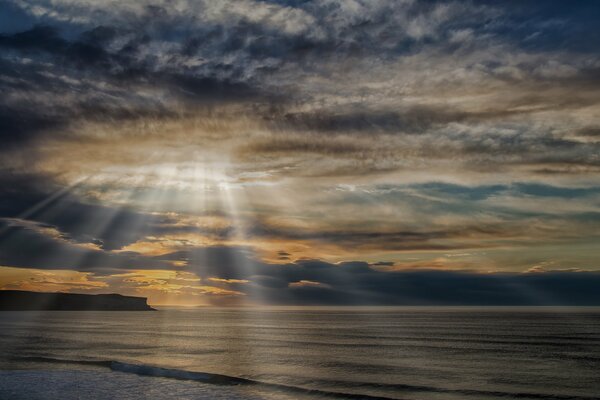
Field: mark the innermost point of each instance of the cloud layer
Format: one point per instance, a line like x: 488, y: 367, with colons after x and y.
x: 156, y: 135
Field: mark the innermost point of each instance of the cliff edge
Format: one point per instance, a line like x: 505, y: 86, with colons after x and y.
x: 18, y: 300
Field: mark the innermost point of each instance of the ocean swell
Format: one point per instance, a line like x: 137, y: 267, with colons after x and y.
x: 218, y: 379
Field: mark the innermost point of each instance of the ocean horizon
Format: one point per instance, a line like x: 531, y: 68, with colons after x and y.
x: 413, y: 353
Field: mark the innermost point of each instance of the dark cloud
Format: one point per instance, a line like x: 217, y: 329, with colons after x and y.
x: 27, y: 244
x: 382, y: 264
x: 20, y: 125
x: 94, y: 52
x: 37, y: 200
x: 590, y: 131
x: 31, y: 245
x: 62, y: 81
x: 413, y: 120
x: 111, y: 227
x: 306, y: 282
x: 439, y: 288
x: 389, y: 239
x: 155, y: 60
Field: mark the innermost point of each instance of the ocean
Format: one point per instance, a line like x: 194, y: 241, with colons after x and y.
x: 414, y: 353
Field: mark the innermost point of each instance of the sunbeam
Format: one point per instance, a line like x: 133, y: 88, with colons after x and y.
x: 276, y: 199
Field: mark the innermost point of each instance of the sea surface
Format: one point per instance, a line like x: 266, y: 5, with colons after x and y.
x: 302, y: 353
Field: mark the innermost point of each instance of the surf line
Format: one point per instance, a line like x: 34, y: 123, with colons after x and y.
x: 204, y: 377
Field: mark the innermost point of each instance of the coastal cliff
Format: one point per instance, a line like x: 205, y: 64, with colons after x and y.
x: 18, y: 300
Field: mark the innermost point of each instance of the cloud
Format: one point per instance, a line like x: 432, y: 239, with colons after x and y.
x: 41, y: 280
x: 346, y: 286
x: 286, y: 67
x: 237, y: 273
x: 236, y: 139
x: 305, y: 283
x: 41, y: 246
x: 353, y: 283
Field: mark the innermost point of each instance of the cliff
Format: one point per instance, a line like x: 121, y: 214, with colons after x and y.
x: 17, y: 300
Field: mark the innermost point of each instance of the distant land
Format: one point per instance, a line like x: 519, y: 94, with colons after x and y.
x: 19, y: 300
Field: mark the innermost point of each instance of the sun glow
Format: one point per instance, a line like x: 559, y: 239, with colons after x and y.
x: 259, y: 162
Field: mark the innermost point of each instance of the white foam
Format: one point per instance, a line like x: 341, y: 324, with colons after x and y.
x: 100, y: 385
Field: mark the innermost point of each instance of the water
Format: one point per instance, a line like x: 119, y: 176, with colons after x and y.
x: 393, y: 353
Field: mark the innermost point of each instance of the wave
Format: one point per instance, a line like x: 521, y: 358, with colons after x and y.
x: 204, y: 377
x: 218, y: 379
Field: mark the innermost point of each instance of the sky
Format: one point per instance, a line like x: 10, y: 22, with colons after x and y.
x: 302, y: 152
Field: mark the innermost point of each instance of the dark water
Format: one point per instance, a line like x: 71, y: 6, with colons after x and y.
x: 397, y: 353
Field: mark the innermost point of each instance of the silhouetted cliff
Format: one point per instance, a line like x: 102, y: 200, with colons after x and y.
x: 17, y: 300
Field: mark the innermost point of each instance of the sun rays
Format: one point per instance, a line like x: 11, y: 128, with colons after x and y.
x: 296, y: 152
x: 154, y: 229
